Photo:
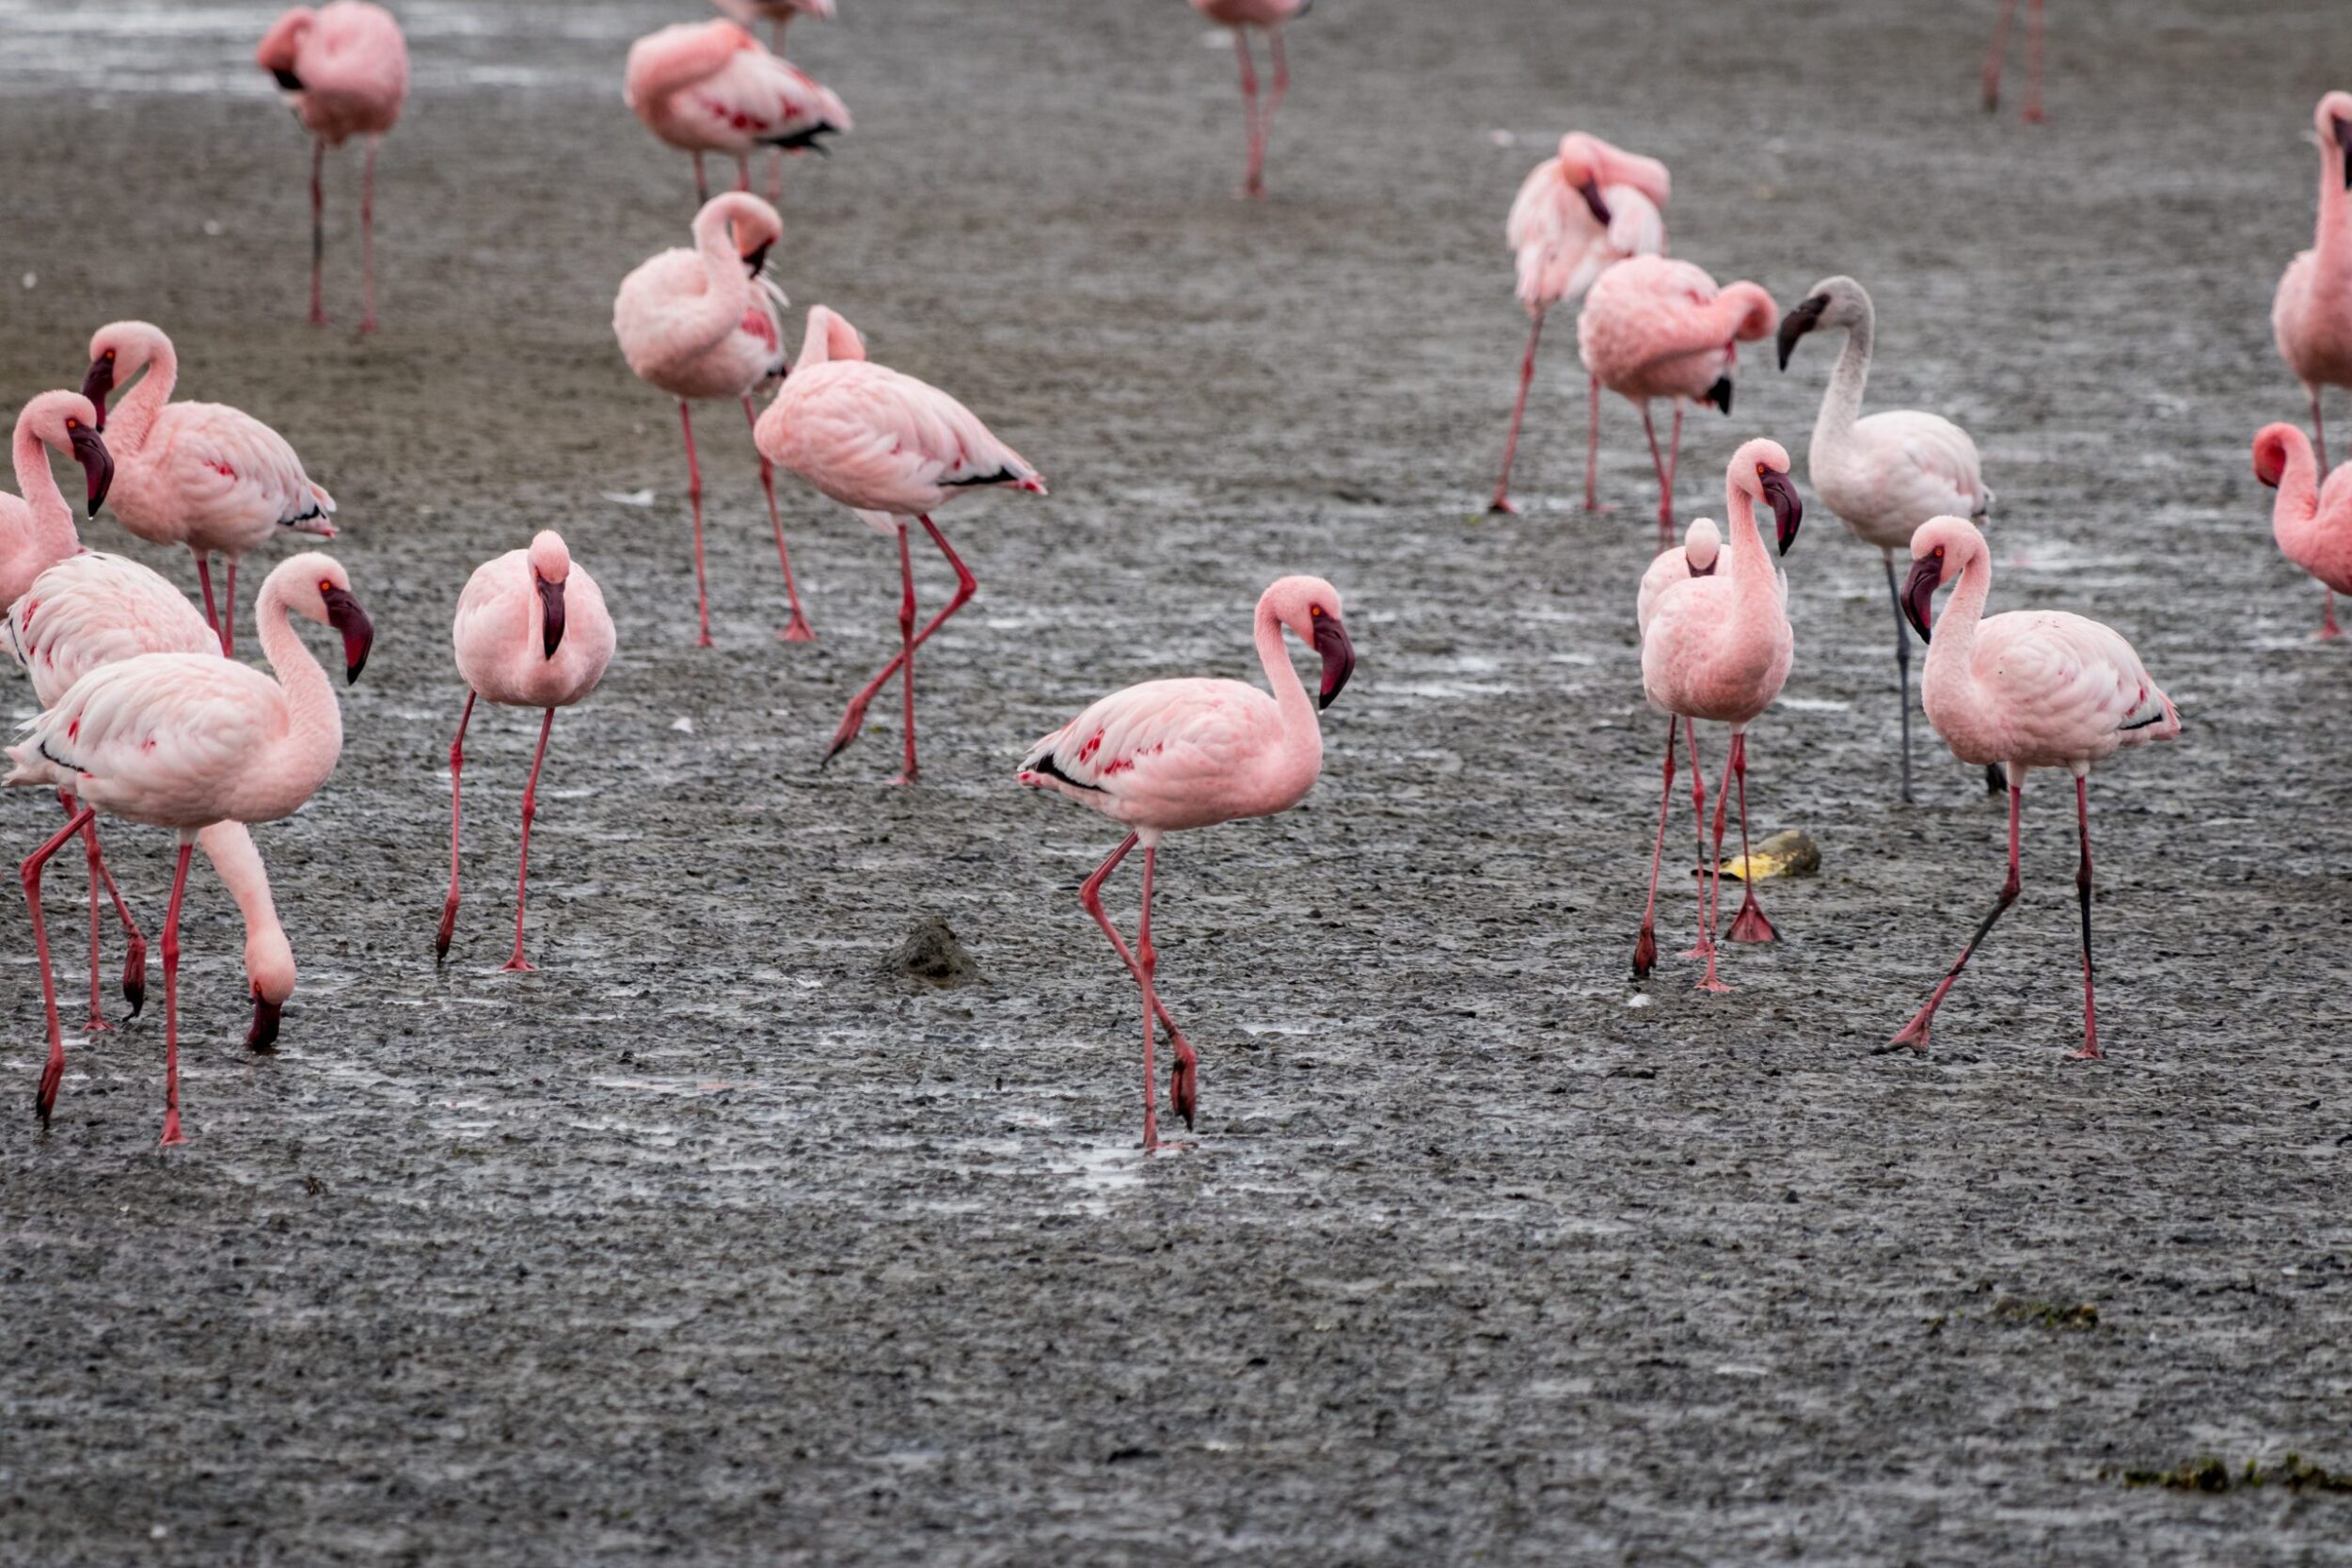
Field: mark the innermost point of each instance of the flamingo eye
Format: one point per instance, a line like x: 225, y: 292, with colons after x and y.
x: 1939, y: 552
x: 108, y: 355
x: 72, y: 423
x: 1314, y: 610
x: 327, y: 585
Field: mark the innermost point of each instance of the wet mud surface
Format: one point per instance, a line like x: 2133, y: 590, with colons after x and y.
x: 718, y: 1240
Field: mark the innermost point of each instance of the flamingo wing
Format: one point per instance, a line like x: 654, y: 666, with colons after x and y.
x: 225, y: 464
x: 902, y: 435
x: 1942, y: 457
x: 157, y: 738
x: 1636, y: 227
x: 1168, y: 739
x: 2074, y: 683
x: 90, y: 610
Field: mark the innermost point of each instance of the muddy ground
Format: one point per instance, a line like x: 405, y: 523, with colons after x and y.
x: 714, y: 1241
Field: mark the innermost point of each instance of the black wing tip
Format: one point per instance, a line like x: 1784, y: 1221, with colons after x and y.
x: 1052, y: 769
x: 1002, y: 476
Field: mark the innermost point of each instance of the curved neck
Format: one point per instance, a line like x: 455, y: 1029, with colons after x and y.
x: 131, y: 419
x: 316, y: 737
x: 726, y: 289
x: 1841, y: 400
x: 2333, y: 237
x: 1750, y: 560
x: 229, y: 847
x: 1953, y: 636
x: 2295, y: 515
x: 1297, y: 708
x: 50, y: 535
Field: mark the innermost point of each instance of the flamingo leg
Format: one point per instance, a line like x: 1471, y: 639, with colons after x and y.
x: 1993, y: 59
x: 457, y: 767
x: 134, y: 954
x: 1749, y: 924
x: 702, y: 182
x: 318, y: 230
x: 1667, y: 491
x: 908, y: 772
x: 97, y: 1025
x: 1592, y: 439
x: 1706, y: 942
x: 775, y: 176
x: 1665, y: 480
x: 229, y: 613
x: 517, y: 965
x: 966, y: 585
x: 204, y: 577
x: 2319, y: 430
x: 1902, y: 665
x: 2089, y: 1051
x: 1916, y: 1031
x: 1090, y: 894
x: 1253, y: 182
x: 1274, y: 100
x: 797, y: 629
x: 695, y: 494
x: 1646, y: 946
x: 1147, y: 963
x: 1519, y: 411
x: 367, y: 235
x: 742, y: 171
x: 1711, y: 890
x: 53, y: 1071
x: 171, y: 993
x: 2033, y: 62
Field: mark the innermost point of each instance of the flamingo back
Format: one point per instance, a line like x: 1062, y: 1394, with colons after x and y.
x: 215, y: 478
x: 1171, y: 754
x: 93, y: 609
x: 167, y: 740
x: 876, y: 440
x: 345, y: 74
x: 496, y: 636
x: 2050, y: 690
x: 1653, y: 327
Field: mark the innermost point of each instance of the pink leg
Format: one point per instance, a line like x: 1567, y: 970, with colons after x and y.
x: 367, y: 235
x: 1665, y: 484
x: 1147, y: 964
x: 204, y: 576
x: 2328, y: 630
x: 742, y: 171
x: 798, y: 630
x: 229, y: 613
x: 1666, y: 493
x: 966, y: 585
x: 522, y: 876
x: 1916, y: 1031
x: 456, y: 768
x: 702, y: 182
x: 2033, y: 62
x: 134, y: 954
x: 1274, y: 101
x: 695, y: 494
x: 1253, y: 183
x: 1090, y: 894
x: 53, y: 1072
x: 1750, y: 923
x: 1592, y: 439
x: 1993, y: 59
x: 775, y: 177
x: 1714, y: 886
x: 171, y: 994
x: 318, y: 230
x: 2319, y: 433
x: 2089, y: 1051
x: 1519, y: 411
x: 908, y: 772
x: 1646, y: 946
x: 97, y: 1025
x: 1706, y: 942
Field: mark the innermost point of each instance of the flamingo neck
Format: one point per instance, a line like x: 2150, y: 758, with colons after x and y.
x: 816, y: 337
x: 50, y: 536
x: 132, y: 418
x: 2333, y: 238
x: 307, y: 753
x: 2295, y: 515
x: 1950, y: 679
x: 1302, y: 734
x: 726, y: 290
x: 1752, y: 576
x: 230, y: 847
x: 1841, y: 400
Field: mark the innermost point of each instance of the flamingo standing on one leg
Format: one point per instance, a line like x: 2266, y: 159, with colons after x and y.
x: 2312, y: 523
x: 2311, y: 313
x: 1241, y: 15
x: 187, y: 741
x: 705, y: 324
x: 2031, y: 688
x: 1718, y: 646
x: 531, y: 631
x: 891, y: 448
x: 1577, y: 214
x: 343, y: 68
x: 2033, y: 59
x: 200, y: 474
x: 1171, y: 754
x: 1658, y: 328
x: 1886, y: 474
x: 710, y: 87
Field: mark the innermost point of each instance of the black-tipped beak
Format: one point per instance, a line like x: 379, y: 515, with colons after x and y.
x: 344, y: 614
x: 1697, y: 570
x: 1590, y: 191
x: 1926, y: 576
x: 2344, y: 145
x: 99, y: 385
x: 288, y: 81
x: 1797, y: 322
x: 97, y: 463
x: 264, y: 1035
x: 550, y: 615
x: 1339, y: 657
x: 1787, y: 511
x: 757, y: 258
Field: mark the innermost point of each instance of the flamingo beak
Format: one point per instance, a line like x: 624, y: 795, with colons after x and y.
x: 1787, y: 511
x: 1339, y: 657
x: 1797, y: 322
x: 1697, y: 570
x: 264, y: 1035
x: 757, y: 258
x: 287, y: 81
x: 90, y: 451
x: 99, y: 385
x: 1926, y: 576
x: 550, y: 615
x: 2343, y: 144
x: 1590, y: 191
x: 344, y: 614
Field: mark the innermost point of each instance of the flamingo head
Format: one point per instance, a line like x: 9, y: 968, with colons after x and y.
x: 550, y: 567
x: 751, y: 222
x: 1833, y: 302
x: 316, y: 587
x: 1310, y: 607
x: 2275, y: 446
x: 269, y: 966
x: 67, y: 422
x: 119, y: 351
x: 2332, y: 120
x: 279, y: 45
x: 1583, y: 162
x: 1759, y: 470
x: 1702, y: 544
x: 1939, y: 547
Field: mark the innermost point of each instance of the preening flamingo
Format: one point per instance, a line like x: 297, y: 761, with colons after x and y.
x: 706, y: 324
x: 2311, y: 313
x: 2031, y: 688
x: 776, y: 12
x: 1658, y: 328
x: 531, y: 631
x: 343, y: 70
x: 1886, y: 474
x: 200, y: 474
x: 185, y: 741
x: 1171, y: 754
x: 1575, y: 213
x: 1718, y: 645
x: 1702, y: 546
x: 1241, y: 15
x: 2312, y: 523
x: 710, y: 87
x: 2033, y: 59
x: 891, y: 448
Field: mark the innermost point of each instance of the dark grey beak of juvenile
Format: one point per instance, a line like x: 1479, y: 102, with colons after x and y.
x: 97, y: 386
x: 1787, y: 511
x: 344, y: 614
x: 550, y: 615
x: 1590, y: 191
x: 1926, y: 576
x: 97, y: 463
x: 1797, y: 322
x: 1339, y: 657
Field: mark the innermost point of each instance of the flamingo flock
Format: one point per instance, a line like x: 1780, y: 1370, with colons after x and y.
x: 148, y: 719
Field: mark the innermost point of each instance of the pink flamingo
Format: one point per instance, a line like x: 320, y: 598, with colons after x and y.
x: 343, y: 68
x: 531, y: 631
x: 1577, y: 214
x: 1658, y: 328
x: 1241, y: 15
x: 705, y: 324
x: 2031, y: 688
x: 186, y: 741
x: 2312, y: 523
x: 1171, y: 754
x: 2033, y: 59
x: 710, y: 87
x: 200, y: 474
x: 1717, y: 645
x: 890, y: 448
x: 2312, y: 314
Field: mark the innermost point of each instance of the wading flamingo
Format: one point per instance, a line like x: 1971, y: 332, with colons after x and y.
x: 185, y: 741
x: 2312, y: 314
x: 1886, y: 474
x: 1657, y: 329
x: 705, y: 323
x: 710, y: 87
x: 1171, y: 754
x: 2033, y: 59
x: 1241, y: 15
x: 1718, y: 645
x: 531, y: 631
x: 2031, y: 688
x: 343, y: 70
x: 2312, y: 523
x: 891, y: 448
x: 1588, y: 208
x: 200, y: 474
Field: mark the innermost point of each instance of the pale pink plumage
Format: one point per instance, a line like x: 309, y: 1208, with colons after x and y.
x: 1172, y: 754
x: 2311, y: 313
x: 1696, y: 557
x: 1258, y: 125
x: 710, y: 87
x: 37, y: 528
x: 2312, y: 522
x: 343, y: 68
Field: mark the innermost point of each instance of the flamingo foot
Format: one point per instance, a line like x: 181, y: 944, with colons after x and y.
x: 171, y: 1129
x: 1709, y: 983
x: 2087, y: 1053
x: 1751, y: 926
x: 2033, y: 115
x: 852, y: 721
x: 135, y: 976
x: 97, y: 1025
x: 1645, y: 953
x: 703, y: 640
x: 911, y: 776
x: 1182, y: 1090
x: 1916, y: 1031
x: 262, y: 1037
x: 1502, y: 507
x: 318, y: 317
x: 367, y: 325
x: 797, y: 631
x: 45, y: 1096
x: 440, y: 938
x: 518, y: 965
x: 2329, y: 631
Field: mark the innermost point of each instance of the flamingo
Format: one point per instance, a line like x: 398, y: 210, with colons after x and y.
x: 343, y: 70
x: 1240, y: 15
x: 186, y: 741
x: 2033, y: 59
x: 890, y: 448
x: 1575, y: 213
x: 1718, y: 645
x: 705, y: 324
x: 2312, y: 523
x: 531, y: 631
x: 710, y: 87
x: 1886, y: 474
x: 2312, y: 314
x: 1171, y: 754
x: 1658, y: 328
x: 200, y: 474
x: 2031, y: 688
